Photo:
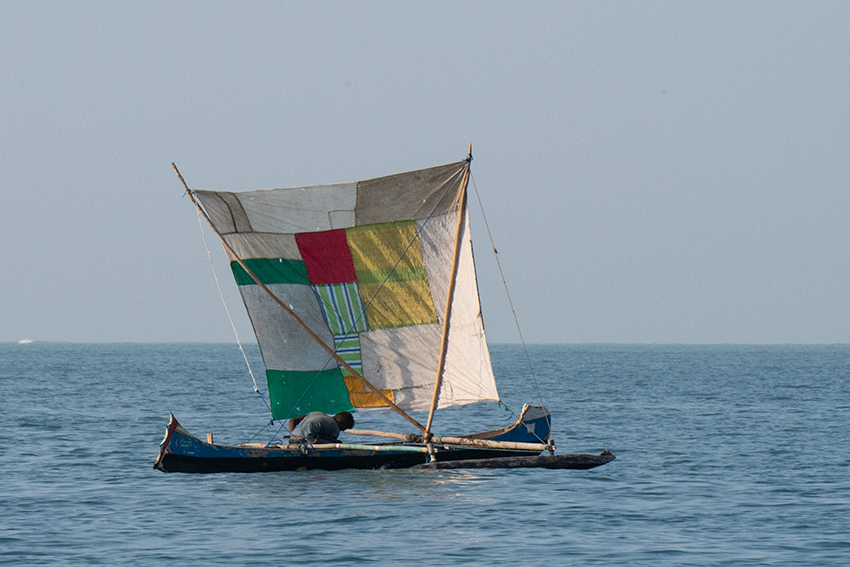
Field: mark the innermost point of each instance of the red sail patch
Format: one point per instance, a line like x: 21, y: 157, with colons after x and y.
x: 326, y: 256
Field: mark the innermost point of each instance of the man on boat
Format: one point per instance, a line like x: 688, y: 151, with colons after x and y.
x: 316, y: 427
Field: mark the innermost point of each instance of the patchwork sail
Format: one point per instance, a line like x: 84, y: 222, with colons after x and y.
x: 367, y: 267
x: 363, y: 296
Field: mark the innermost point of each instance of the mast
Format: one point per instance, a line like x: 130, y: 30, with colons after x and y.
x: 297, y: 319
x: 449, y: 298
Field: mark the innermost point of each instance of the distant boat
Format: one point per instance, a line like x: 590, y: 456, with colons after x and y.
x: 24, y: 341
x: 363, y: 296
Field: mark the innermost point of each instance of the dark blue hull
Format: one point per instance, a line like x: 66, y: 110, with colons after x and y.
x: 182, y: 452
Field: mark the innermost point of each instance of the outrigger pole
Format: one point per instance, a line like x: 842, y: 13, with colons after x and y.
x: 461, y: 217
x: 298, y: 320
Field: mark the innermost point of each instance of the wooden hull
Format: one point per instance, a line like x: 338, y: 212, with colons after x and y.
x: 324, y: 460
x: 182, y: 452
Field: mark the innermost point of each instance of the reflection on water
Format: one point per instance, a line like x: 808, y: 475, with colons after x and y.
x: 351, y: 485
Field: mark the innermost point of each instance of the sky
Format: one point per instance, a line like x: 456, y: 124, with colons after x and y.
x: 651, y: 172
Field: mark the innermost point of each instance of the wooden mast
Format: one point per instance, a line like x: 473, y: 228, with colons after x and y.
x: 461, y: 218
x: 298, y: 320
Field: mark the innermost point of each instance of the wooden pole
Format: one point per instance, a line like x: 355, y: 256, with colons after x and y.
x: 286, y: 308
x: 449, y: 297
x: 491, y: 444
x: 466, y: 441
x: 372, y: 433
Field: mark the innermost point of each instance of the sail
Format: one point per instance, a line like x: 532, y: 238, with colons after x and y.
x: 366, y: 265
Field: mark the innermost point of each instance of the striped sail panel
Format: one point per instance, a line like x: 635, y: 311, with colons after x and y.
x: 342, y: 307
x: 348, y: 349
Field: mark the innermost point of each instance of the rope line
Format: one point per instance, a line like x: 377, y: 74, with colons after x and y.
x: 507, y: 291
x: 227, y: 310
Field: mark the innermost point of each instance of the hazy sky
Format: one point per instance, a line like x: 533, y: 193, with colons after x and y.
x: 653, y: 172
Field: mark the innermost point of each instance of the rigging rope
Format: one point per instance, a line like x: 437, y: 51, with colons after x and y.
x: 507, y: 291
x: 232, y: 325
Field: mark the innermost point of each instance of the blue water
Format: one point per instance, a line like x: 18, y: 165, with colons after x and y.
x: 726, y: 455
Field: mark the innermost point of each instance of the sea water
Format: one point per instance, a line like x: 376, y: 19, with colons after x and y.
x: 726, y: 455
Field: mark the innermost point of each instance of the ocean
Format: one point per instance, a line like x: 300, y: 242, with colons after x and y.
x: 726, y: 455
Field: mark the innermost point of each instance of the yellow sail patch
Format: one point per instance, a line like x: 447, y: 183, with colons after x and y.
x: 361, y: 396
x: 391, y: 274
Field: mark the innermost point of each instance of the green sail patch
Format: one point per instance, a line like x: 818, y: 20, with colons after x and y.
x: 293, y: 393
x: 271, y: 271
